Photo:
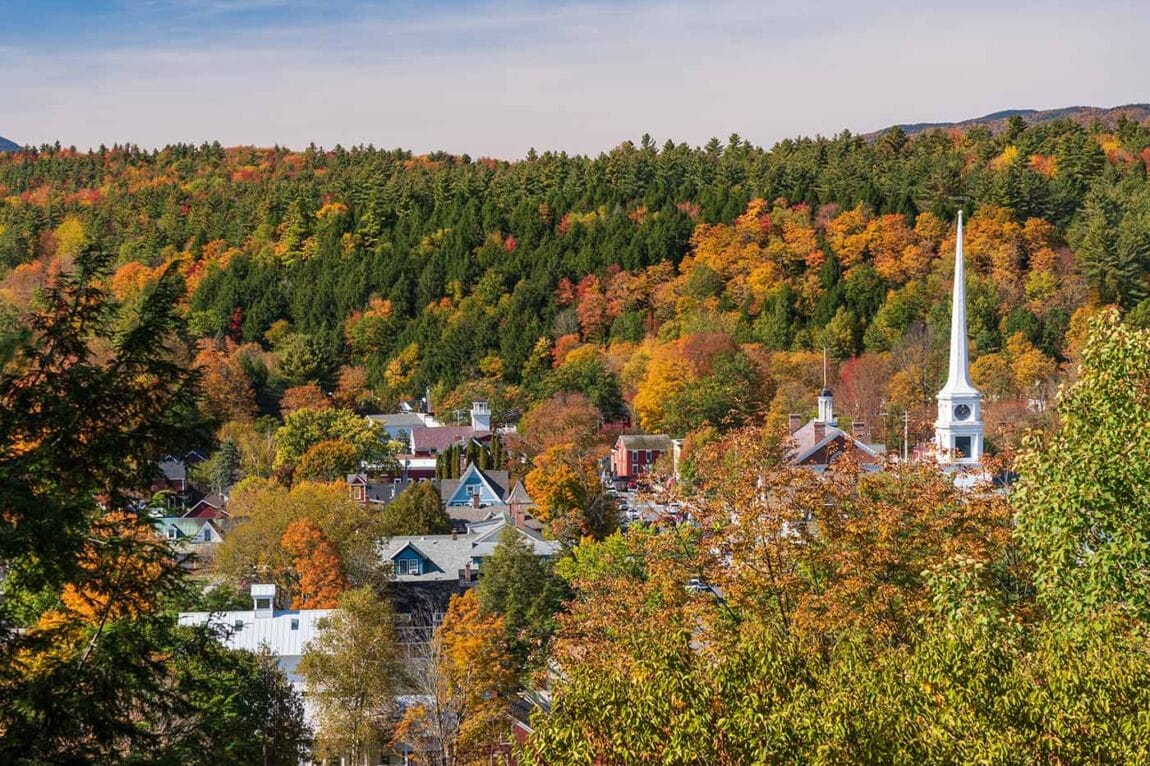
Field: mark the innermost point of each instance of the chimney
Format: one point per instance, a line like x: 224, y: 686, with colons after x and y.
x: 820, y: 431
x: 453, y: 533
x: 859, y: 429
x: 795, y: 422
x: 467, y: 572
x: 475, y: 501
x: 263, y: 600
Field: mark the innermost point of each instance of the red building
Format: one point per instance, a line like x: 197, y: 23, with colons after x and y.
x: 635, y: 454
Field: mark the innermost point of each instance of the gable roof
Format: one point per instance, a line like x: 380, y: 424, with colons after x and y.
x: 409, y: 545
x: 660, y: 442
x: 377, y: 492
x: 207, y: 503
x: 188, y: 527
x: 400, y: 420
x: 519, y: 495
x: 807, y: 442
x: 450, y: 554
x: 173, y: 468
x: 442, y: 437
x: 496, y: 482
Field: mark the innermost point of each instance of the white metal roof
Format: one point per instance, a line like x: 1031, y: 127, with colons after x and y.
x: 275, y: 632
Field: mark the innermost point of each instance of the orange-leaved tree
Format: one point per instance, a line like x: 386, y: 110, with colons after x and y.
x: 317, y: 565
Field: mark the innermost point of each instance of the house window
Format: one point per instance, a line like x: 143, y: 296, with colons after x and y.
x: 634, y: 456
x: 962, y: 446
x: 294, y: 623
x: 238, y: 625
x: 472, y: 489
x: 407, y: 567
x: 172, y: 533
x: 650, y: 456
x: 263, y: 604
x: 396, y: 481
x: 207, y: 536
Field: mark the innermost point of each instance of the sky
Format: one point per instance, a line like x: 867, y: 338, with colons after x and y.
x: 496, y: 78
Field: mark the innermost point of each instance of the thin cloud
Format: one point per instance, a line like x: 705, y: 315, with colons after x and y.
x: 497, y: 79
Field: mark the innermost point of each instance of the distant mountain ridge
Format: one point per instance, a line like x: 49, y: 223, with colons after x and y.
x: 8, y: 146
x: 996, y: 121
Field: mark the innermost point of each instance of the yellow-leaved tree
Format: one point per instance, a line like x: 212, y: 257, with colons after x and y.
x: 465, y: 679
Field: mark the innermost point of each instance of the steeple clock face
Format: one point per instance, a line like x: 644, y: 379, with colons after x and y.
x: 961, y: 412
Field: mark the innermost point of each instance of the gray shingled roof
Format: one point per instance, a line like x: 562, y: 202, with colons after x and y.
x: 660, y: 442
x: 519, y: 495
x: 173, y: 469
x: 399, y: 420
x: 451, y: 554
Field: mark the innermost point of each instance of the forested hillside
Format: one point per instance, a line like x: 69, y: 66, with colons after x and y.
x: 998, y: 121
x: 692, y: 279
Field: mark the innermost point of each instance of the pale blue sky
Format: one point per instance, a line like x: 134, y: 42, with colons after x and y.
x: 495, y: 78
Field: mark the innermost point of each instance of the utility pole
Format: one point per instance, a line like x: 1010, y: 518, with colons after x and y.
x: 905, y: 434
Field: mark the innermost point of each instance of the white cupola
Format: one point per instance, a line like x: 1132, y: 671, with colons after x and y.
x: 958, y: 430
x: 826, y: 408
x: 480, y: 416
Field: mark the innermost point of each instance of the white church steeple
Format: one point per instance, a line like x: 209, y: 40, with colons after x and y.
x: 958, y: 430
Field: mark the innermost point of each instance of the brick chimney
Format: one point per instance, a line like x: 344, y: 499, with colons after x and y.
x: 820, y: 431
x: 860, y: 431
x: 475, y: 501
x: 795, y: 422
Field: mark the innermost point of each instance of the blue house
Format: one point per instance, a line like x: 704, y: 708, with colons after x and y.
x: 475, y: 488
x: 456, y: 557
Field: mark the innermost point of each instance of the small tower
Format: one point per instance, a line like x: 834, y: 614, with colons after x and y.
x: 958, y: 430
x: 826, y: 408
x: 480, y: 416
x: 826, y: 399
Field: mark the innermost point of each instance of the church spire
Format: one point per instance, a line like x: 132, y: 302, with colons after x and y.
x: 958, y: 375
x: 958, y: 430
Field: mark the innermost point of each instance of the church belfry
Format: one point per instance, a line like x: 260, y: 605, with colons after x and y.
x: 958, y: 430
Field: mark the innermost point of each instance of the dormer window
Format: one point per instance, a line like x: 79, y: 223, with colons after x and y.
x: 263, y: 604
x: 173, y: 533
x: 408, y: 567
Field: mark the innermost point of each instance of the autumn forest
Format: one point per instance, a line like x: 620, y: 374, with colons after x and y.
x: 255, y: 304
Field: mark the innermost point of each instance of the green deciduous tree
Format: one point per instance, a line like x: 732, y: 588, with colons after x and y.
x: 521, y: 588
x: 417, y: 511
x: 305, y: 428
x: 1084, y: 498
x: 353, y: 673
